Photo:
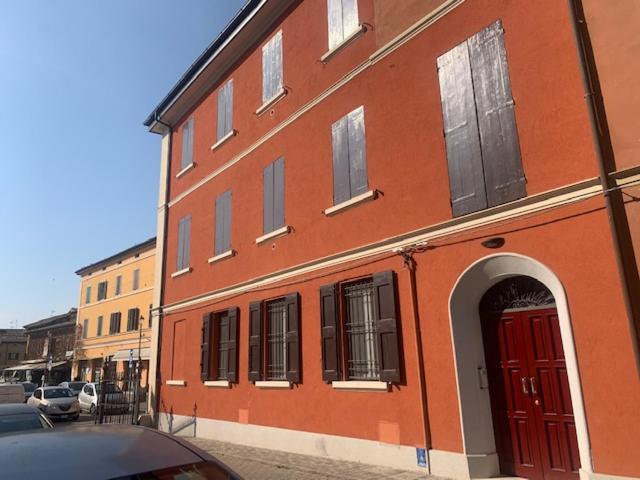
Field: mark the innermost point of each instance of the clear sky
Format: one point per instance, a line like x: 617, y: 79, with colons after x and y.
x: 79, y: 171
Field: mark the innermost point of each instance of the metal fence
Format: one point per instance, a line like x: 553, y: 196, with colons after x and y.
x: 121, y: 399
x: 361, y: 331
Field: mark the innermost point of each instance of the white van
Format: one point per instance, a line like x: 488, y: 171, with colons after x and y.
x: 11, y: 393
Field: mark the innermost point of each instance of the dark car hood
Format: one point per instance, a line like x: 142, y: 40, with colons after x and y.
x: 106, y: 451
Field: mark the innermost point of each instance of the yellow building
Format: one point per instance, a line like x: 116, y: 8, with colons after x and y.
x: 114, y: 308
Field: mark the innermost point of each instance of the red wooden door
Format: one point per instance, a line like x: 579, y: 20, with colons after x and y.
x: 531, y: 404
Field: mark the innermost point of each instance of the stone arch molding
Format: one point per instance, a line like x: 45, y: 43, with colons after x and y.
x: 474, y: 403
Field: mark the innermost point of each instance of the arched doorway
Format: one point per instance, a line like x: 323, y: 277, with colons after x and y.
x: 481, y: 457
x: 531, y: 406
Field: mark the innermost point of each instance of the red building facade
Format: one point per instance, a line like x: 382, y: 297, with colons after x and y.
x: 384, y: 231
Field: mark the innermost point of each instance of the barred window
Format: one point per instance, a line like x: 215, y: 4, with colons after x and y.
x: 360, y: 330
x: 276, y: 340
x: 219, y: 340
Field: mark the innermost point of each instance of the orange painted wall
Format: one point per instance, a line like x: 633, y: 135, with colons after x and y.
x: 407, y: 163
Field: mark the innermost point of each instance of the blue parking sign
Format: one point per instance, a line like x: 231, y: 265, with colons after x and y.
x: 421, y: 455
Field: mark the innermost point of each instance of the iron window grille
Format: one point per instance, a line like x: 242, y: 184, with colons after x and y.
x: 224, y: 343
x: 218, y: 348
x: 360, y: 331
x: 276, y: 340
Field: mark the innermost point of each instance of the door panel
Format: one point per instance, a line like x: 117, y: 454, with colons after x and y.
x: 530, y: 397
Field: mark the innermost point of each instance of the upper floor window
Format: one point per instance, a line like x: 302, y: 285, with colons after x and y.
x: 87, y: 295
x: 274, y: 339
x: 349, y: 157
x: 273, y: 189
x: 114, y: 323
x: 359, y: 330
x: 223, y: 223
x: 99, y: 327
x: 133, y: 319
x: 219, y: 352
x: 272, y: 68
x: 483, y: 151
x: 187, y: 144
x: 136, y: 279
x: 225, y: 110
x: 85, y: 328
x: 184, y: 240
x: 118, y: 285
x: 102, y: 290
x: 343, y: 20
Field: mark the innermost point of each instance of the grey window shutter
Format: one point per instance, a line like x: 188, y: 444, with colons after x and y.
x: 255, y: 341
x: 336, y: 32
x: 292, y: 306
x: 179, y: 261
x: 222, y: 121
x: 205, y: 347
x: 277, y: 64
x: 228, y: 114
x: 349, y: 17
x: 357, y: 153
x: 503, y: 173
x: 278, y: 193
x: 232, y: 363
x: 227, y: 220
x: 184, y: 240
x: 268, y: 207
x: 464, y: 157
x: 341, y: 183
x: 187, y: 144
x: 220, y: 206
x: 387, y: 326
x: 329, y: 332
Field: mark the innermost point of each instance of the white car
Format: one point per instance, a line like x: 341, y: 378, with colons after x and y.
x: 55, y: 402
x: 115, y: 399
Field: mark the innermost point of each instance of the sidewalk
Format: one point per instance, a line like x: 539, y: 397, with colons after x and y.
x: 257, y: 463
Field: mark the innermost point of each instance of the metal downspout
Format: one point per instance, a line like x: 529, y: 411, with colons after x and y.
x: 604, y: 154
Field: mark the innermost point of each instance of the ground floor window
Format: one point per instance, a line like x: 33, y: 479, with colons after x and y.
x: 274, y: 347
x: 359, y: 330
x: 219, y: 346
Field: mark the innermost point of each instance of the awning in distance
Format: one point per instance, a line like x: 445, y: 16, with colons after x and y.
x: 123, y: 355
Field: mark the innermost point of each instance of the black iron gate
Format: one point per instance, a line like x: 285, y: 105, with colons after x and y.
x: 121, y: 399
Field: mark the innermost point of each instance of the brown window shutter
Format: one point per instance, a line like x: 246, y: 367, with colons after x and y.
x: 232, y: 364
x: 329, y: 332
x: 292, y: 305
x: 255, y: 341
x: 205, y: 349
x: 503, y: 173
x: 387, y: 326
x: 464, y: 155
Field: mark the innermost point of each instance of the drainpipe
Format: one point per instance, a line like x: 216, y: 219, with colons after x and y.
x: 604, y: 157
x: 165, y: 219
x: 410, y: 265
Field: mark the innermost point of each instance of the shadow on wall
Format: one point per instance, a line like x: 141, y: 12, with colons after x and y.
x: 166, y: 421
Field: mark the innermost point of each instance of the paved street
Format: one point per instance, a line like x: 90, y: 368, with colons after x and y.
x: 258, y: 463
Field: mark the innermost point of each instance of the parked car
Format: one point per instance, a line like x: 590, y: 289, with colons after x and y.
x: 75, y: 387
x: 12, y: 393
x: 115, y: 400
x: 56, y: 402
x: 17, y: 417
x: 29, y: 388
x: 106, y: 452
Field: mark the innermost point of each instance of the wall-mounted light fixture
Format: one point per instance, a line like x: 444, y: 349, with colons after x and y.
x: 495, y: 242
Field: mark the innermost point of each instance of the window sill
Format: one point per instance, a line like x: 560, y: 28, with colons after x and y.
x: 357, y: 33
x: 217, y: 383
x: 272, y: 101
x: 222, y: 256
x: 184, y: 271
x: 282, y: 384
x: 185, y: 170
x: 177, y: 383
x: 224, y: 139
x: 361, y: 385
x: 276, y: 233
x: 364, y: 197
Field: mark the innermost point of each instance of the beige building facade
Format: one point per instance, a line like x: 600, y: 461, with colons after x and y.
x: 113, y: 319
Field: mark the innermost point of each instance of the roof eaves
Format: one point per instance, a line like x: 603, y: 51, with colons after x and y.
x: 122, y: 254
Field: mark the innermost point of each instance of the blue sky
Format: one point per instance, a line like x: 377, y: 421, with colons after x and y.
x: 79, y: 174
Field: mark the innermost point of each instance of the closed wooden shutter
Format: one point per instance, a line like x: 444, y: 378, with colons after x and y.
x: 272, y: 67
x: 267, y: 216
x: 358, y: 183
x: 340, y: 143
x: 187, y: 144
x: 464, y: 155
x: 223, y: 223
x: 329, y: 332
x: 503, y: 173
x: 255, y: 341
x: 292, y: 307
x: 232, y: 364
x: 387, y: 326
x: 225, y: 109
x: 184, y: 240
x: 205, y: 347
x: 278, y: 193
